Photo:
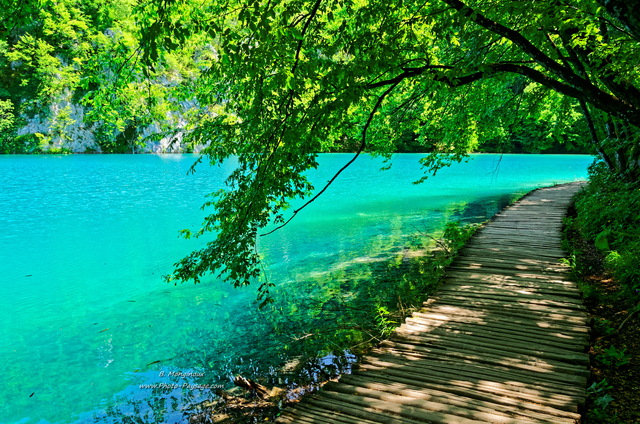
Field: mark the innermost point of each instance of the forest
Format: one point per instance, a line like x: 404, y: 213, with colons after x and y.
x: 276, y: 82
x: 77, y: 76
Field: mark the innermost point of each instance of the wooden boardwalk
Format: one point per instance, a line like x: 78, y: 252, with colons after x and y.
x: 503, y: 341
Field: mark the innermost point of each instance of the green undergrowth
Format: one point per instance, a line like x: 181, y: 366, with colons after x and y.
x: 608, y: 215
x: 602, y: 238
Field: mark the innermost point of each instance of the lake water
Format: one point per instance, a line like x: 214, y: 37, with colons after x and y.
x: 87, y: 321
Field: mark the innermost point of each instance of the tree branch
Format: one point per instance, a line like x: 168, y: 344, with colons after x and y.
x: 312, y: 15
x: 490, y: 69
x: 363, y: 144
x: 408, y: 73
x: 573, y: 84
x: 593, y: 95
x: 517, y: 38
x: 579, y: 66
x: 627, y: 12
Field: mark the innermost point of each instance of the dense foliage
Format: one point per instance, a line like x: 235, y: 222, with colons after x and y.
x: 71, y: 79
x: 608, y: 217
x: 446, y: 77
x: 602, y: 242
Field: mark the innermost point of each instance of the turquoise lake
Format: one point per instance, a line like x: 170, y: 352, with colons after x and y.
x: 91, y: 333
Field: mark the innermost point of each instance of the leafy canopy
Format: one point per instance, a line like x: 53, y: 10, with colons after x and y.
x: 290, y: 78
x: 298, y: 77
x: 69, y: 64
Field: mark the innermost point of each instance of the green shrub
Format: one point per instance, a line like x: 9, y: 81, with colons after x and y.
x: 456, y: 235
x: 608, y: 215
x: 611, y: 356
x: 600, y: 400
x: 603, y: 326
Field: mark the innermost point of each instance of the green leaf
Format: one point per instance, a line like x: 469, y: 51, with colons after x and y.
x: 602, y: 240
x: 296, y: 34
x: 603, y: 401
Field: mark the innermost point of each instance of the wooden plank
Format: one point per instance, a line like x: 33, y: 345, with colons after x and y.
x: 513, y: 257
x: 516, y: 312
x: 477, y: 345
x: 525, y: 218
x: 527, y: 311
x: 506, y: 287
x: 413, y: 326
x: 526, y: 363
x: 411, y: 410
x: 526, y: 274
x: 512, y: 285
x: 560, y: 287
x: 495, y: 339
x: 305, y: 418
x: 465, y: 390
x: 520, y: 238
x: 519, y: 244
x: 527, y: 333
x: 330, y: 416
x: 534, y: 210
x: 462, y: 314
x: 493, y: 393
x: 482, y: 278
x: 511, y: 263
x: 516, y: 231
x: 426, y: 406
x: 477, y: 388
x: 501, y: 242
x: 513, y: 298
x: 505, y: 266
x: 537, y: 213
x: 517, y: 360
x: 416, y: 327
x: 407, y: 387
x: 358, y: 410
x: 544, y: 381
x: 515, y: 305
x: 533, y: 326
x: 479, y: 248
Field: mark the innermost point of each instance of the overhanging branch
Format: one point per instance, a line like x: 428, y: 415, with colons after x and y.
x: 452, y: 78
x: 363, y: 144
x: 303, y: 33
x: 568, y: 82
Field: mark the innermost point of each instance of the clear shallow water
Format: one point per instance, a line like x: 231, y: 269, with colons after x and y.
x: 84, y: 241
